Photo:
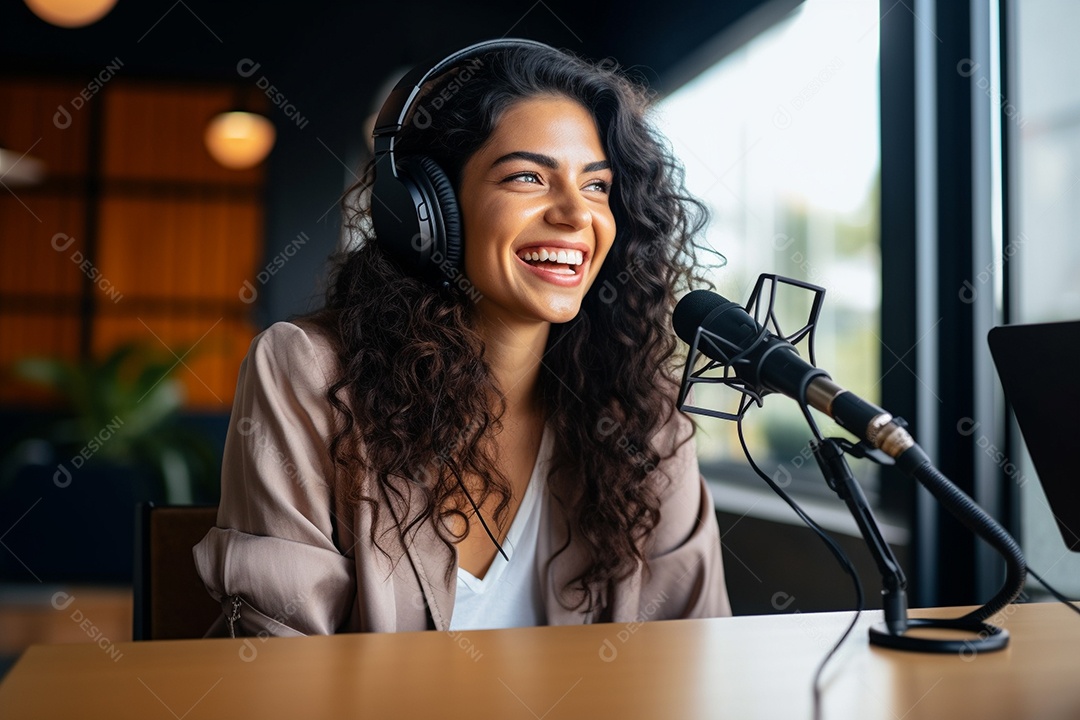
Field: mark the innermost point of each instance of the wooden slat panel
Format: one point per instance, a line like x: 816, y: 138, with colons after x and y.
x: 41, y: 258
x: 208, y: 372
x: 180, y: 248
x: 31, y: 122
x: 30, y: 265
x: 157, y: 132
x: 177, y: 237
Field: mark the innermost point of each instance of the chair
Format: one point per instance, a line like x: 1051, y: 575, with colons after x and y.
x: 171, y: 600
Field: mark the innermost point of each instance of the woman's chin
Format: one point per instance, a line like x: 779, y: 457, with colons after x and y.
x: 550, y: 307
x: 557, y: 314
x: 552, y: 315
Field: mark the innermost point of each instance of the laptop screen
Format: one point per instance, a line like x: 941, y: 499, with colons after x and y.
x: 1039, y: 367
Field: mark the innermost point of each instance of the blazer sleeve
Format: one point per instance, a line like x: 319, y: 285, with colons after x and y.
x: 685, y: 576
x: 272, y: 557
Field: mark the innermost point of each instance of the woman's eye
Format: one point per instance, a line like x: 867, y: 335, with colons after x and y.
x: 601, y: 185
x: 527, y: 177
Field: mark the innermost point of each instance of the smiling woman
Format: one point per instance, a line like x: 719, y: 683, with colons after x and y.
x: 450, y: 415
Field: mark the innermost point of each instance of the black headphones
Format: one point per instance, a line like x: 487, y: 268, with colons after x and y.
x: 413, y: 207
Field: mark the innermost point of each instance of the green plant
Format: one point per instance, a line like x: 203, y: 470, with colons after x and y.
x: 122, y: 409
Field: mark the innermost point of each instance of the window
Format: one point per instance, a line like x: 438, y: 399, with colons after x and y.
x: 780, y: 140
x: 1042, y: 120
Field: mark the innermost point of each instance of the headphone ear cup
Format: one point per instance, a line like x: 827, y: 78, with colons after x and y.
x: 445, y: 204
x: 441, y: 206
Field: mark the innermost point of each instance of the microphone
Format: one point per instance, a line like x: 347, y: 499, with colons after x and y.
x: 770, y: 363
x: 729, y: 335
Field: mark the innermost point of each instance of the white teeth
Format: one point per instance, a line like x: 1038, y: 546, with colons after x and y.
x: 566, y: 257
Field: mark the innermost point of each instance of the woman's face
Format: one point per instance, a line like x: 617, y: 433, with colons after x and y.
x: 538, y: 187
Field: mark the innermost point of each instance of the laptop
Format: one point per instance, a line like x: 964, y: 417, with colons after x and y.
x: 1039, y: 368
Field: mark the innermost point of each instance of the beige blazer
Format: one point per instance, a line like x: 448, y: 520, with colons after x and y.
x: 286, y: 559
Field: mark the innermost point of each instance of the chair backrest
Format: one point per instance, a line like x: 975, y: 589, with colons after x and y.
x: 171, y: 601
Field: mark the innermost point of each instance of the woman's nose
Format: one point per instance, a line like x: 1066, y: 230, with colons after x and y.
x: 569, y: 208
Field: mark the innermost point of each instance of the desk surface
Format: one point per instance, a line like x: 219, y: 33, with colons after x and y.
x: 746, y: 667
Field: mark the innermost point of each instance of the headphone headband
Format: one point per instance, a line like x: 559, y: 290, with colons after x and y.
x: 392, y: 115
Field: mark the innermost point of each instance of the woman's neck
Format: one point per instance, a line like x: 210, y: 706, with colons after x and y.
x: 513, y: 351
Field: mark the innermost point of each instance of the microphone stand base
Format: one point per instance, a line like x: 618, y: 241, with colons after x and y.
x: 987, y: 638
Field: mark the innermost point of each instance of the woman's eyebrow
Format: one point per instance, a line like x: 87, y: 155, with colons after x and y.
x: 547, y: 161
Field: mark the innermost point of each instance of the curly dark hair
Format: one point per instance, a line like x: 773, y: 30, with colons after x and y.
x: 414, y: 390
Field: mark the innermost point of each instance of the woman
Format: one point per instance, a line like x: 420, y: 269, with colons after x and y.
x: 503, y: 449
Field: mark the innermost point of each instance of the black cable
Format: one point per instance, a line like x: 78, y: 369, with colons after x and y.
x: 1055, y: 593
x: 477, y: 510
x: 838, y: 553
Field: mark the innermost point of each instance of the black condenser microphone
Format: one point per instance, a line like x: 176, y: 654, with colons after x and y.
x: 771, y: 364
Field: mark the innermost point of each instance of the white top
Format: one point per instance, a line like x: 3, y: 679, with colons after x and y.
x: 509, y: 595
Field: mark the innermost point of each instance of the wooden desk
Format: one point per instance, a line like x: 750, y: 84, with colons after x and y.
x: 748, y: 667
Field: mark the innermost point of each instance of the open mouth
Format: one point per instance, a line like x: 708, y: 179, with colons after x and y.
x: 557, y: 261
